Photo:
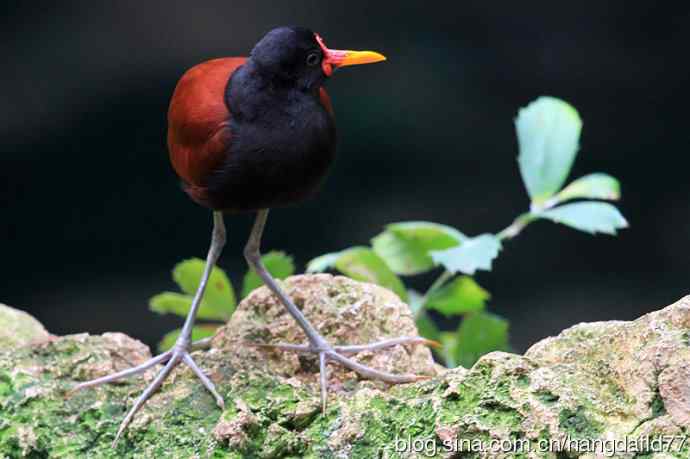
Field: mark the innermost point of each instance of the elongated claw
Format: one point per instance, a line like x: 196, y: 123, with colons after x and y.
x: 148, y: 392
x: 353, y: 349
x: 123, y: 374
x: 301, y: 348
x: 337, y: 354
x: 323, y: 378
x: 208, y: 384
x: 172, y: 358
x: 372, y: 373
x: 202, y: 344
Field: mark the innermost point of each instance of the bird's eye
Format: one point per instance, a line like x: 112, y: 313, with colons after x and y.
x: 313, y: 59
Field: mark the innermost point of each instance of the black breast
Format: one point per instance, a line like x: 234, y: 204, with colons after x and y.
x: 283, y: 144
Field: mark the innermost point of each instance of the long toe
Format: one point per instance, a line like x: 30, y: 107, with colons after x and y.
x: 363, y: 370
x: 379, y: 345
x: 339, y: 354
x: 372, y: 373
x: 171, y: 359
x: 148, y: 392
x: 208, y: 384
x: 123, y: 374
x: 323, y: 379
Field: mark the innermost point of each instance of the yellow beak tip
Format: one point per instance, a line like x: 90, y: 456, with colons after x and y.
x: 362, y: 57
x: 376, y: 57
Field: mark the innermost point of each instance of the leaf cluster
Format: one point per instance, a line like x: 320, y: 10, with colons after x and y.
x: 548, y: 132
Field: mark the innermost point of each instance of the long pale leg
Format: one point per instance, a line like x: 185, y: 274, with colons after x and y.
x: 317, y: 343
x: 181, y: 351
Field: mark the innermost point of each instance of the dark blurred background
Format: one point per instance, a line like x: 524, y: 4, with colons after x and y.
x: 93, y: 218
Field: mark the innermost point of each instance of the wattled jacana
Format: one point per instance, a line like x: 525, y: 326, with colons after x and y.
x: 248, y: 134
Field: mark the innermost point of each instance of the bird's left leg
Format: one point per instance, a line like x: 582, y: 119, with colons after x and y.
x: 317, y: 343
x: 180, y: 353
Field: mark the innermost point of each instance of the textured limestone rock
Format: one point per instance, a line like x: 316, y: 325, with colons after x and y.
x: 343, y: 310
x: 18, y: 328
x: 624, y: 381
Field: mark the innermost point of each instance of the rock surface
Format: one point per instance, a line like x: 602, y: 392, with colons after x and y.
x: 18, y: 328
x: 605, y: 382
x: 343, y: 310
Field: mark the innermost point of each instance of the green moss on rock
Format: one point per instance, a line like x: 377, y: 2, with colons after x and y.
x: 594, y: 381
x: 576, y: 424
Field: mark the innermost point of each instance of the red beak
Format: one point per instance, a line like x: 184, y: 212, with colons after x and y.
x: 334, y: 58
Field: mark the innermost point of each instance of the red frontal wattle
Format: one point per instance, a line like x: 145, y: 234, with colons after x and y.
x: 199, y: 134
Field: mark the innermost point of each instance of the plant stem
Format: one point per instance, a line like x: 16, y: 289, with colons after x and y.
x: 525, y: 219
x: 517, y: 226
x: 507, y: 233
x: 438, y: 283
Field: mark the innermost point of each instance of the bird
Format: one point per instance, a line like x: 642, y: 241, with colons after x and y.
x: 247, y: 134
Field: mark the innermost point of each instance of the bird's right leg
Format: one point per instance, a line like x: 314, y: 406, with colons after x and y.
x: 180, y: 353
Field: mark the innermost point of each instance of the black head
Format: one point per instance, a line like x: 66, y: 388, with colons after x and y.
x: 297, y: 56
x: 291, y: 55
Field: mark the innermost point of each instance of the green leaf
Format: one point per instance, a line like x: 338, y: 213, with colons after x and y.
x: 590, y: 217
x: 280, y: 266
x: 426, y: 327
x: 219, y: 298
x: 461, y: 295
x: 478, y: 334
x: 362, y: 263
x: 405, y: 246
x: 179, y: 304
x: 402, y: 257
x: 592, y: 186
x: 198, y: 332
x: 548, y: 132
x: 322, y: 263
x: 473, y: 254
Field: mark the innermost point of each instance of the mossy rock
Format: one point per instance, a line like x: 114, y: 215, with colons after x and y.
x: 18, y: 328
x: 605, y: 381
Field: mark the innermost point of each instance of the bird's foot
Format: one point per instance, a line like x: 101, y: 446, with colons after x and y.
x: 338, y: 354
x: 180, y: 353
